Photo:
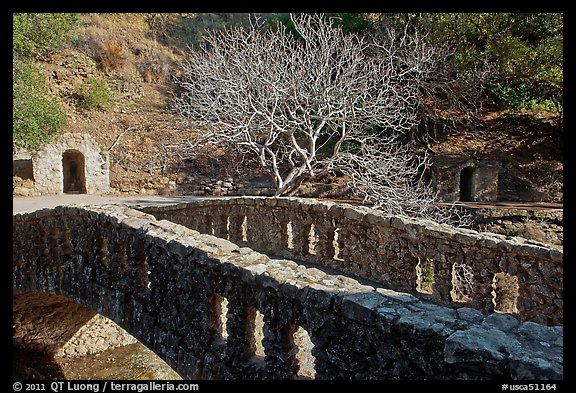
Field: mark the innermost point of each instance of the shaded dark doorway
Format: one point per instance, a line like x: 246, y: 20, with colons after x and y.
x: 23, y: 169
x: 467, y: 184
x: 74, y: 171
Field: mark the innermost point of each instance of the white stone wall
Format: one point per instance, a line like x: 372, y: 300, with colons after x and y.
x: 48, y: 170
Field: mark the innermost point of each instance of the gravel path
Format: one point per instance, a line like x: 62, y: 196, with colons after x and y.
x: 29, y: 204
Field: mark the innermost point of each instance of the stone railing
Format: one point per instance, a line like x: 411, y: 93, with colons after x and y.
x: 451, y: 266
x: 214, y: 310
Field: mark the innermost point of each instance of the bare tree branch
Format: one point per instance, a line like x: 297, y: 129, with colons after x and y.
x: 129, y: 128
x: 307, y: 106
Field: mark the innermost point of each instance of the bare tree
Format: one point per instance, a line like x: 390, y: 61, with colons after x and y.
x: 390, y: 176
x: 326, y: 101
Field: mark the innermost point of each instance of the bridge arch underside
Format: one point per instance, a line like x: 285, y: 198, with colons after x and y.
x: 46, y: 326
x: 214, y: 310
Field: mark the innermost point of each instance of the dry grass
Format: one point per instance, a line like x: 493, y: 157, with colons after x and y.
x: 126, y: 45
x: 110, y: 57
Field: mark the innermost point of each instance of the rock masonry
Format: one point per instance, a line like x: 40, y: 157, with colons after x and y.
x: 166, y: 285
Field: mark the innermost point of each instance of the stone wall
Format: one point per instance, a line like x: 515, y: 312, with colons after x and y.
x: 194, y: 299
x: 446, y: 175
x: 485, y: 271
x: 48, y: 165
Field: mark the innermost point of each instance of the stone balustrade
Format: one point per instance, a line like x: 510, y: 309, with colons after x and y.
x: 215, y: 310
x: 451, y: 266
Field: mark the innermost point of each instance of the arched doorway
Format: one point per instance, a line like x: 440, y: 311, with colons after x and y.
x: 467, y: 184
x: 74, y: 171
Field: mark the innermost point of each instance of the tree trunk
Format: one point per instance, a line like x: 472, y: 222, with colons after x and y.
x: 292, y: 185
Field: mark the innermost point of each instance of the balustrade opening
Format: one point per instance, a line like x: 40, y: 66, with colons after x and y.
x: 218, y: 316
x: 505, y: 293
x: 425, y: 276
x: 255, y: 329
x: 312, y: 239
x: 304, y: 355
x: 288, y: 235
x: 462, y: 283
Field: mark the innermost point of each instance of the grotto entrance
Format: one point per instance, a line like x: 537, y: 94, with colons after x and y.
x: 74, y: 171
x: 467, y: 184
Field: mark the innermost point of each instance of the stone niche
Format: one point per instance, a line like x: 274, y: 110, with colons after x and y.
x: 72, y: 164
x: 467, y: 180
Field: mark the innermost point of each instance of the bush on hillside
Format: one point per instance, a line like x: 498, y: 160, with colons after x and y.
x: 155, y: 67
x: 110, y: 57
x: 94, y: 95
x: 36, y: 118
x: 41, y: 33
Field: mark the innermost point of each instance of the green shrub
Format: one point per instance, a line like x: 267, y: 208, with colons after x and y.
x: 513, y: 97
x: 40, y: 34
x: 520, y: 97
x: 94, y: 95
x: 36, y: 118
x: 524, y: 52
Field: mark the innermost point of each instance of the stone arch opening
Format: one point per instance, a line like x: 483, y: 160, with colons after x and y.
x: 74, y: 172
x: 467, y: 184
x: 54, y: 335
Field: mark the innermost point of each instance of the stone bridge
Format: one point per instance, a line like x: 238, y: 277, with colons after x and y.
x: 213, y: 308
x: 485, y: 271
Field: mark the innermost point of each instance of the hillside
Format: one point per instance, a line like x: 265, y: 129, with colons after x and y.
x: 137, y: 55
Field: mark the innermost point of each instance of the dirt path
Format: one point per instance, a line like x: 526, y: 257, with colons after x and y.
x: 513, y: 205
x: 29, y: 204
